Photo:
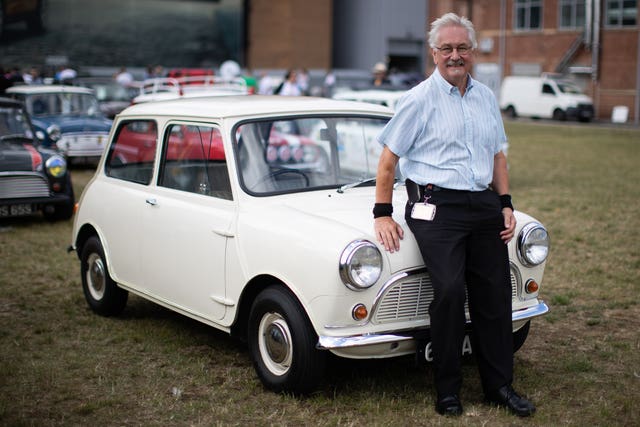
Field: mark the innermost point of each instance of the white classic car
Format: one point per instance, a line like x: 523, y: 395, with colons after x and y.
x: 192, y: 208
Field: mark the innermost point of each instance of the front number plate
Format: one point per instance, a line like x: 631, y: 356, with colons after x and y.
x: 16, y: 210
x: 426, y: 354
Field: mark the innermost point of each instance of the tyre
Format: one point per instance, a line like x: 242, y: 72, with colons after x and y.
x: 559, y: 115
x: 102, y: 294
x: 510, y: 111
x: 520, y: 336
x: 283, y: 344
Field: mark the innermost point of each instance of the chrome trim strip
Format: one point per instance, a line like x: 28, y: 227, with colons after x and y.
x: 328, y: 343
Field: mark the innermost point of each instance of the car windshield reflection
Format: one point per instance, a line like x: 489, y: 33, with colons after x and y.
x: 301, y: 154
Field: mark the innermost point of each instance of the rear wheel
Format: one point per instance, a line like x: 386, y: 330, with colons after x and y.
x: 283, y: 344
x: 559, y: 115
x: 102, y: 294
x: 510, y: 111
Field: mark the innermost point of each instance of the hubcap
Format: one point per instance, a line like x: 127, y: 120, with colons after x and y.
x: 96, y: 276
x: 276, y: 349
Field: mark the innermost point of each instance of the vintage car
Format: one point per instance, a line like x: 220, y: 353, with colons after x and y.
x: 112, y: 96
x: 280, y: 254
x: 66, y: 118
x: 32, y: 179
x: 388, y: 98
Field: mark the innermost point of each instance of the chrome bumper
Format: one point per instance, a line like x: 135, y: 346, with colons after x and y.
x: 336, y: 343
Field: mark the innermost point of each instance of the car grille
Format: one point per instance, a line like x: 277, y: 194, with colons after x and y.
x: 408, y: 297
x: 22, y: 186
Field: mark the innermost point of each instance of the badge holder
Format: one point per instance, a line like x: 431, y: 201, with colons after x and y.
x: 424, y: 211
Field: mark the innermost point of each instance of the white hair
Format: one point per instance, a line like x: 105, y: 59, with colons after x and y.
x: 451, y: 19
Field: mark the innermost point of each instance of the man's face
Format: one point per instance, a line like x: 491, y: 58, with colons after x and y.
x: 453, y: 65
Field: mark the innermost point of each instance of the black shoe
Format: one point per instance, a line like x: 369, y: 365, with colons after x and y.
x: 507, y: 396
x: 449, y: 405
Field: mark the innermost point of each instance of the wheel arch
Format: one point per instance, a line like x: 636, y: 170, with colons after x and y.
x: 248, y: 296
x: 85, y: 233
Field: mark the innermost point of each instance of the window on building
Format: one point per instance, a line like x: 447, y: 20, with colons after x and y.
x: 621, y: 13
x: 528, y: 15
x: 572, y: 14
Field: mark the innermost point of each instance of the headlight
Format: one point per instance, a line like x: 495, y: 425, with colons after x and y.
x: 54, y: 132
x: 533, y: 244
x: 360, y: 265
x: 56, y: 166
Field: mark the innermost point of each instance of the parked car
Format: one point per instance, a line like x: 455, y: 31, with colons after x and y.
x: 112, y: 96
x: 32, y: 179
x: 29, y: 11
x: 388, y: 98
x: 544, y: 97
x: 193, y: 86
x: 67, y: 118
x: 280, y: 254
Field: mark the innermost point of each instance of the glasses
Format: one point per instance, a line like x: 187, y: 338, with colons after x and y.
x: 447, y: 50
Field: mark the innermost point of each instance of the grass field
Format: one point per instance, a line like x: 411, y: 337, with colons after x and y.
x: 62, y: 365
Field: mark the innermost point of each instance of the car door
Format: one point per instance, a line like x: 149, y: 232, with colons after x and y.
x: 187, y: 222
x: 128, y: 170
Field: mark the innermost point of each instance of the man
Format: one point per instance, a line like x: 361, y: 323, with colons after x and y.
x: 447, y: 134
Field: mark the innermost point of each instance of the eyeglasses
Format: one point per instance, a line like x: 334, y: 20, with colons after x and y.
x: 447, y: 50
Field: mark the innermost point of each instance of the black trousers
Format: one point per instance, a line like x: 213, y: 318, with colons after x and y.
x: 462, y: 246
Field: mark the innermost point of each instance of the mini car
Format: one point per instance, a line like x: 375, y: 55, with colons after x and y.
x: 32, y: 179
x: 281, y: 254
x: 112, y: 96
x: 66, y: 118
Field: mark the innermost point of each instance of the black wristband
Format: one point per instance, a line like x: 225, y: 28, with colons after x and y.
x: 505, y: 201
x: 382, y: 209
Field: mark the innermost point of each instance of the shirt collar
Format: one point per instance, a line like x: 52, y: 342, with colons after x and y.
x: 448, y: 87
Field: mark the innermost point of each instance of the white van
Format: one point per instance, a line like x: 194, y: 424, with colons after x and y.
x: 544, y: 97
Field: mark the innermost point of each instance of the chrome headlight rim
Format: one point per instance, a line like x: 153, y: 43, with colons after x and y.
x: 354, y: 274
x: 56, y: 166
x: 54, y: 132
x: 529, y: 238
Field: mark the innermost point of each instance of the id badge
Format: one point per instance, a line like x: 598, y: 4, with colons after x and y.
x: 424, y: 211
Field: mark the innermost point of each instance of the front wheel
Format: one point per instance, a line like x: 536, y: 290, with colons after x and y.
x: 102, y: 294
x: 283, y: 344
x: 520, y: 336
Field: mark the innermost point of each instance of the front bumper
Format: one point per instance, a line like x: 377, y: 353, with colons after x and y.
x: 399, y: 344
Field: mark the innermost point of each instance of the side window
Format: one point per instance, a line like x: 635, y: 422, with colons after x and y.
x: 131, y: 155
x: 193, y: 160
x: 546, y: 88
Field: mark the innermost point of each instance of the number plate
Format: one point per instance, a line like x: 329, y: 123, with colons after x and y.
x: 16, y: 210
x: 426, y: 354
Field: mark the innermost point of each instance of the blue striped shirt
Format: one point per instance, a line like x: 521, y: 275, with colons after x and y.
x: 446, y: 139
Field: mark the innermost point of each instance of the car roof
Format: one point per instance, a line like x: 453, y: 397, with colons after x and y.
x: 10, y: 102
x: 34, y: 89
x: 251, y: 105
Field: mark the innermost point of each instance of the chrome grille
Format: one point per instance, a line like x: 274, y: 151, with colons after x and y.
x: 22, y: 186
x: 409, y: 296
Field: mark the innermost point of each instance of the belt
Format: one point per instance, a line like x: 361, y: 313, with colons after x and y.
x: 416, y: 191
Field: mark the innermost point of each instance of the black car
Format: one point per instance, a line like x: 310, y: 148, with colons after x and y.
x: 32, y: 179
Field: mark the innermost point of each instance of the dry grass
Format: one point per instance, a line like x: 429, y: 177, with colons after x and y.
x: 63, y: 365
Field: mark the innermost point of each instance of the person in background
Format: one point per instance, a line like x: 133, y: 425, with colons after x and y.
x: 380, y: 75
x: 289, y: 86
x: 124, y: 77
x: 303, y: 81
x: 447, y: 133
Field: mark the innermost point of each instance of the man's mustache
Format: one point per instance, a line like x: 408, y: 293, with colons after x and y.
x: 455, y: 63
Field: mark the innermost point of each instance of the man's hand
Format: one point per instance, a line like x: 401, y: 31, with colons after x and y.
x: 509, y: 225
x: 389, y: 233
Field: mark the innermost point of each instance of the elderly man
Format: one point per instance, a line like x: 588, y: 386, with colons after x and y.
x: 447, y: 135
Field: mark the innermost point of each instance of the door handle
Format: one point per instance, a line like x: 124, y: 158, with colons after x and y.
x: 152, y: 202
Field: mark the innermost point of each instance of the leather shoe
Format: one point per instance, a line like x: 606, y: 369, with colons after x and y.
x: 507, y: 396
x: 449, y: 405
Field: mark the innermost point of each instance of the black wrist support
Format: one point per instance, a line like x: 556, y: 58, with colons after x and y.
x: 382, y: 209
x: 505, y: 201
